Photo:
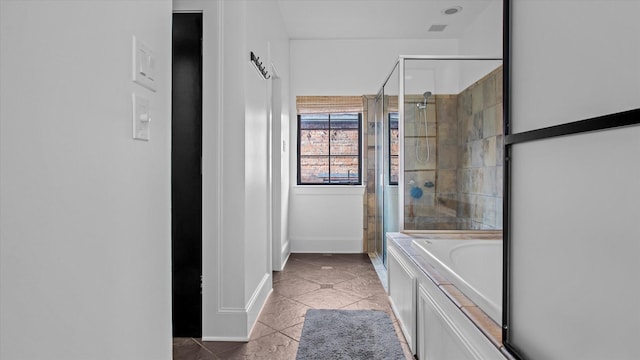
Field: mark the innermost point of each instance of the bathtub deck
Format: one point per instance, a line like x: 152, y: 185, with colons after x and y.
x: 403, y: 243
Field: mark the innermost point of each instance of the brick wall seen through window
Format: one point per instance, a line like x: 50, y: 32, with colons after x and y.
x: 329, y: 149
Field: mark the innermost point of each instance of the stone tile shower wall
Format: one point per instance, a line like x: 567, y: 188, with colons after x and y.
x: 480, y: 153
x: 371, y: 219
x: 465, y: 165
x: 419, y: 169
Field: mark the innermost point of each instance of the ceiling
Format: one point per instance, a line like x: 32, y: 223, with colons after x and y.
x: 377, y: 19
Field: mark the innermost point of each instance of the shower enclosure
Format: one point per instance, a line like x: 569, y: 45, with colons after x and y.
x: 438, y: 143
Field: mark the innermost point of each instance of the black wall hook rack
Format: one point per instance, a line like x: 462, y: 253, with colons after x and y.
x: 261, y: 69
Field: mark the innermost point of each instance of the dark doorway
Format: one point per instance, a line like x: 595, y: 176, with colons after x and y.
x: 186, y: 175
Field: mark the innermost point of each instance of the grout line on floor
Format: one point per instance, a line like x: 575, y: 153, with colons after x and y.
x: 204, y: 347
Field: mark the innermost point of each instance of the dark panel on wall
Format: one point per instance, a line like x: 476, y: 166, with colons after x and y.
x: 186, y: 177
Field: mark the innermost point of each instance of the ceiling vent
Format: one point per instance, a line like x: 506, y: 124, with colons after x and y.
x: 437, y: 28
x: 452, y: 10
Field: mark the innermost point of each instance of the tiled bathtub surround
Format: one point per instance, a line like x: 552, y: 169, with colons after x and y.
x: 465, y: 135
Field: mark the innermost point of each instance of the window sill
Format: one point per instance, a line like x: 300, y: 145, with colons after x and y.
x: 328, y: 189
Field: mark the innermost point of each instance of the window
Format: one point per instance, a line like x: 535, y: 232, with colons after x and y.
x: 329, y: 148
x: 393, y: 148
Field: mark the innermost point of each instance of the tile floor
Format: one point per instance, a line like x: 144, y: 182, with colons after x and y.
x: 321, y: 281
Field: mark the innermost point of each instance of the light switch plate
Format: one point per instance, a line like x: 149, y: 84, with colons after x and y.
x: 143, y: 65
x: 141, y: 117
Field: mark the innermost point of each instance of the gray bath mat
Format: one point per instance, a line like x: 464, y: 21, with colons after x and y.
x: 348, y: 334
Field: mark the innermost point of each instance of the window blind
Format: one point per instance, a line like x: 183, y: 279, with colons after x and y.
x: 329, y: 104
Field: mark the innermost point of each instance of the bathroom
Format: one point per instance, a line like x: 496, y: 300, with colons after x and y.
x: 84, y: 203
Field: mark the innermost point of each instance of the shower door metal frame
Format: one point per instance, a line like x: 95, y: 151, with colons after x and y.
x: 379, y: 187
x: 382, y: 146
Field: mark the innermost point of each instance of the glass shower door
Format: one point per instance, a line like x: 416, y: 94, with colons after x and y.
x: 387, y: 205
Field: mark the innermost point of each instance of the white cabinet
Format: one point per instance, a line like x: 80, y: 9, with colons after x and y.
x: 434, y: 326
x: 445, y: 333
x: 402, y: 295
x: 438, y: 338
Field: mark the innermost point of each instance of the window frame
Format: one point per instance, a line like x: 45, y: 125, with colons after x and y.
x: 298, y: 156
x: 391, y: 182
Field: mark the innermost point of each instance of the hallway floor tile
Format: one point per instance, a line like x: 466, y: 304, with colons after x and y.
x: 319, y: 281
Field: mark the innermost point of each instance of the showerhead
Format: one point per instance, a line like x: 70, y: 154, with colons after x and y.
x: 424, y: 104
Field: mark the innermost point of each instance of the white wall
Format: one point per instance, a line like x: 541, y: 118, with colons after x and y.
x: 326, y: 220
x: 484, y: 35
x: 482, y: 38
x: 236, y: 131
x: 85, y: 213
x: 280, y: 169
x: 329, y: 219
x: 575, y: 198
x: 444, y: 76
x: 353, y: 67
x: 266, y: 36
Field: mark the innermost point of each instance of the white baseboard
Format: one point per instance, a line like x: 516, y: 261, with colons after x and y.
x: 336, y: 246
x: 225, y: 338
x: 238, y: 322
x: 286, y: 252
x: 257, y: 301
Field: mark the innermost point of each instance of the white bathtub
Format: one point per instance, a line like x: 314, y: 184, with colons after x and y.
x: 473, y: 266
